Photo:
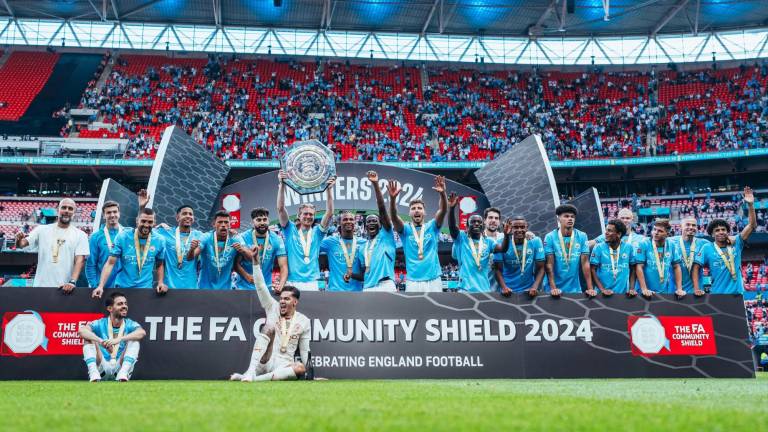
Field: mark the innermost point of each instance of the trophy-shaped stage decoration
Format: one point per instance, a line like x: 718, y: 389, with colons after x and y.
x: 309, y: 165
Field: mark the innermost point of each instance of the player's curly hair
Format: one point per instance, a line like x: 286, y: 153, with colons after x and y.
x: 717, y: 223
x: 619, y: 225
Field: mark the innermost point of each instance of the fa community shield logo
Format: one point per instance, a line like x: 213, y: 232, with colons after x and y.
x: 25, y: 332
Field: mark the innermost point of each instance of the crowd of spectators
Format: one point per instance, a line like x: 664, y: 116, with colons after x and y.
x: 254, y: 109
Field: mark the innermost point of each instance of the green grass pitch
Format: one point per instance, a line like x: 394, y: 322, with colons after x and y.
x: 498, y: 405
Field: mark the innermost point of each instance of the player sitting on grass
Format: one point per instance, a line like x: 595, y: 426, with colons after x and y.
x: 285, y: 330
x: 111, y: 346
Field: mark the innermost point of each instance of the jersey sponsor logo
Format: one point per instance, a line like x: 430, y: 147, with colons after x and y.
x: 30, y: 333
x: 671, y: 335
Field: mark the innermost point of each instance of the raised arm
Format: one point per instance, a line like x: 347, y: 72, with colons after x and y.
x: 749, y: 198
x: 393, y: 188
x: 453, y: 227
x: 21, y: 240
x: 386, y: 222
x: 194, y: 249
x: 328, y: 204
x: 443, y: 208
x: 265, y: 297
x: 282, y: 263
x: 282, y: 213
x: 504, y: 245
x: 143, y: 197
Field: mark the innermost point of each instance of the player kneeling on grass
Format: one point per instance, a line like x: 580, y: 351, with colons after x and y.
x: 285, y: 330
x: 111, y: 346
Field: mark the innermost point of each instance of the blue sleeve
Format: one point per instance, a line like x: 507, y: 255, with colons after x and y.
x: 326, y: 245
x: 499, y: 257
x: 131, y: 326
x: 538, y: 251
x: 584, y: 240
x: 91, y: 264
x: 594, y: 258
x: 702, y: 256
x: 160, y: 249
x: 279, y: 247
x: 549, y: 247
x: 600, y: 239
x: 434, y: 228
x: 204, y: 241
x: 117, y: 246
x: 319, y: 232
x: 638, y: 252
x: 676, y: 257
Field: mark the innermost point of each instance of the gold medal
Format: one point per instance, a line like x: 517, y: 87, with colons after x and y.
x: 285, y: 334
x: 520, y: 260
x: 419, y: 238
x: 729, y: 259
x: 306, y: 243
x: 614, y: 260
x: 265, y: 246
x: 566, y: 257
x: 369, y: 252
x: 141, y: 253
x: 180, y: 248
x: 108, y: 238
x: 349, y: 256
x: 477, y: 251
x: 688, y: 257
x: 216, y: 250
x: 661, y: 265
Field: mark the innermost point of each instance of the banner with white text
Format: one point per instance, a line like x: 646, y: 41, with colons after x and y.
x: 200, y: 334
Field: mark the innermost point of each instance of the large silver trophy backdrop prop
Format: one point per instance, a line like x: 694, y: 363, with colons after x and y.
x: 520, y: 182
x: 309, y: 165
x: 184, y: 173
x: 111, y: 190
x: 590, y: 219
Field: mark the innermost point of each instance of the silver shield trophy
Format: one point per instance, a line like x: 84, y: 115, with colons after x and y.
x: 309, y: 165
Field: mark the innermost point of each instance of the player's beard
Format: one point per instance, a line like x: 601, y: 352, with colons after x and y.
x: 262, y: 229
x: 65, y: 219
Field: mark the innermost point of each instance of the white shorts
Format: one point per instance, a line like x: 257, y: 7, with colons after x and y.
x: 304, y: 286
x: 434, y: 285
x: 386, y: 285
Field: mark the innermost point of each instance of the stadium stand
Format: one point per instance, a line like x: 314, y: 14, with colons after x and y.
x: 253, y: 109
x: 23, y: 76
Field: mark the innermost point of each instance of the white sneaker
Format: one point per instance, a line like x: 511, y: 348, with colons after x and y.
x: 122, y: 377
x: 94, y: 378
x: 236, y: 377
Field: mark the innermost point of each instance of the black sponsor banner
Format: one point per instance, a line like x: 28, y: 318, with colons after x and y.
x: 209, y: 335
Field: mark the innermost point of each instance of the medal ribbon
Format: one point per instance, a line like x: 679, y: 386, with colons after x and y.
x: 614, y: 260
x: 419, y: 237
x: 521, y: 261
x: 660, y: 264
x: 55, y: 248
x: 729, y: 261
x: 688, y: 257
x: 306, y: 242
x: 369, y: 252
x: 120, y: 333
x: 348, y: 257
x: 108, y: 238
x: 141, y: 254
x: 285, y: 334
x: 265, y: 245
x: 179, y: 247
x: 216, y: 249
x: 477, y: 251
x: 566, y: 258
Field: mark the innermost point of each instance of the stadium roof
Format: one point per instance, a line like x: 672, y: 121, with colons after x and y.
x: 488, y: 17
